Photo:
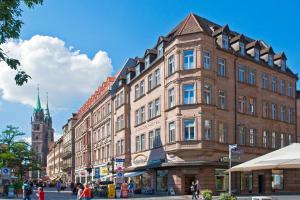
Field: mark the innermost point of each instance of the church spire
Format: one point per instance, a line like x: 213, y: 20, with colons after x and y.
x: 38, y: 106
x: 47, y: 107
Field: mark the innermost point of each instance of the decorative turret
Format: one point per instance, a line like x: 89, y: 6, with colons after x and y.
x: 38, y: 106
x: 38, y: 113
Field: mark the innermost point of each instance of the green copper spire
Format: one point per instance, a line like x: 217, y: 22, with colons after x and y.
x: 38, y: 106
x: 47, y: 108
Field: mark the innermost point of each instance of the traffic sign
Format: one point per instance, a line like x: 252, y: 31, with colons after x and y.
x: 5, y: 171
x: 119, y: 174
x: 120, y: 160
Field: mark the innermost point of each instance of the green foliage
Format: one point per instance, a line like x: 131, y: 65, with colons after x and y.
x: 226, y: 196
x: 15, y: 153
x: 207, y: 194
x: 10, y: 26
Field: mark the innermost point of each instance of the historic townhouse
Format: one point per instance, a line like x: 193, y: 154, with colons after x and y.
x: 68, y: 155
x: 54, y: 160
x: 172, y: 113
x: 93, y: 128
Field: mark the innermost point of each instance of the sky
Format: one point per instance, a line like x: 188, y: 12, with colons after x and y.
x: 70, y: 46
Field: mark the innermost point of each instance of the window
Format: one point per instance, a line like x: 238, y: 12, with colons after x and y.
x: 256, y: 54
x: 270, y: 60
x: 157, y: 77
x: 290, y: 115
x: 160, y: 51
x: 277, y: 179
x: 282, y: 113
x: 157, y: 107
x: 221, y: 180
x: 137, y: 144
x: 137, y: 117
x: 290, y: 139
x: 283, y: 65
x: 207, y: 129
x: 251, y: 77
x: 142, y: 88
x: 282, y: 87
x: 242, y: 48
x: 142, y: 114
x: 222, y: 133
x: 273, y: 140
x: 265, y: 110
x: 265, y: 139
x: 157, y: 138
x: 241, y: 74
x: 188, y: 92
x: 274, y: 84
x: 118, y: 147
x: 246, y: 181
x: 290, y: 90
x: 136, y: 91
x: 147, y: 62
x: 151, y: 140
x: 188, y: 59
x: 281, y: 140
x: 242, y: 135
x: 171, y: 62
x: 207, y: 64
x: 150, y: 110
x: 222, y: 99
x: 273, y: 111
x: 189, y: 129
x: 221, y: 67
x: 128, y: 78
x: 252, y: 137
x: 252, y: 105
x: 150, y: 82
x: 172, y: 136
x: 207, y: 93
x: 137, y: 70
x: 171, y: 93
x: 143, y: 144
x: 107, y: 151
x: 265, y: 81
x: 225, y: 41
x: 242, y: 104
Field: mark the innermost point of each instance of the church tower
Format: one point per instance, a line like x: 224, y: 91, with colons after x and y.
x: 41, y: 135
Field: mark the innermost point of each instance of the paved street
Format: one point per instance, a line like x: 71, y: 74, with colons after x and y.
x: 52, y: 194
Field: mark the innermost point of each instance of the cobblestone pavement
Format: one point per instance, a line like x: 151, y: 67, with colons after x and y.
x: 52, y: 194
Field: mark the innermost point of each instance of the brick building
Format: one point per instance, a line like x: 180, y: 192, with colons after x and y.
x: 55, y: 160
x: 174, y: 111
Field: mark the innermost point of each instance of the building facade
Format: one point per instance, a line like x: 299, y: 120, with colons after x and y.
x: 174, y: 111
x: 55, y: 160
x: 41, y: 136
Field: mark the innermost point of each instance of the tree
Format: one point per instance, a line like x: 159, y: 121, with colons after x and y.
x: 10, y: 26
x: 16, y: 154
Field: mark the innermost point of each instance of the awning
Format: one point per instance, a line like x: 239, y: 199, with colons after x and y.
x: 132, y: 174
x: 284, y: 158
x: 107, y: 176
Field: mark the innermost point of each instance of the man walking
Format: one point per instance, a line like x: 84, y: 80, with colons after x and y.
x: 27, y: 190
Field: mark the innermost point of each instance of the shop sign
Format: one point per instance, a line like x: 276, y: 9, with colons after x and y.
x: 103, y: 171
x: 97, y: 172
x: 82, y: 173
x: 140, y: 159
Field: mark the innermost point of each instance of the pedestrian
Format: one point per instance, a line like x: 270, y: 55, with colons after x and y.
x: 79, y: 191
x: 58, y: 186
x: 131, y: 188
x: 87, y: 192
x: 27, y: 190
x: 124, y: 189
x: 198, y: 188
x: 40, y: 194
x: 193, y: 190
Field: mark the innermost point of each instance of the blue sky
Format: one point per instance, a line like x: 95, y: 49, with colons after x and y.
x: 126, y: 28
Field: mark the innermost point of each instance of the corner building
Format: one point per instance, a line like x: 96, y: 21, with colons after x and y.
x: 199, y: 89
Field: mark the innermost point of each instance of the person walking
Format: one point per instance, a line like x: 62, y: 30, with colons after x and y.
x: 27, y: 190
x: 198, y: 188
x: 131, y: 188
x: 40, y: 194
x: 79, y: 191
x: 58, y: 186
x: 193, y: 190
x: 87, y: 192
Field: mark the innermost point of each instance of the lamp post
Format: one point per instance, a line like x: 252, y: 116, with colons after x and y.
x: 112, y: 164
x: 230, y: 148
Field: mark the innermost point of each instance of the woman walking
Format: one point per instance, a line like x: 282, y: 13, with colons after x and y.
x: 86, y: 193
x: 79, y: 191
x: 194, y: 190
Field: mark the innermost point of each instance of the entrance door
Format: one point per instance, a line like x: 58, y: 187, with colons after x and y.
x: 189, y: 178
x: 261, y: 184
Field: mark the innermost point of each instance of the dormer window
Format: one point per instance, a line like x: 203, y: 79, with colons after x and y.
x: 160, y: 50
x: 242, y: 48
x: 283, y: 65
x: 128, y: 78
x: 225, y: 41
x: 147, y: 62
x: 256, y: 54
x: 270, y: 60
x: 137, y: 70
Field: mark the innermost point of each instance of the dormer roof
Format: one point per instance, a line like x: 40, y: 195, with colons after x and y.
x: 268, y: 50
x: 224, y: 29
x: 253, y: 44
x: 150, y: 51
x: 280, y: 56
x: 237, y: 38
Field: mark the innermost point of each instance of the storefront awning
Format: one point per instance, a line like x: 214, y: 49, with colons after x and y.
x: 284, y: 158
x: 132, y: 174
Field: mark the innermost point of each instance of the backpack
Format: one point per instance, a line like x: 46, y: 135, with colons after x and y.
x: 28, y: 190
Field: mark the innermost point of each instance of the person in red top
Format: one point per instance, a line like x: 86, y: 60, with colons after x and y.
x: 41, y: 194
x: 87, y: 192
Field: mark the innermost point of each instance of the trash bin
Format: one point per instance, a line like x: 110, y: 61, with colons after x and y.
x: 111, y: 193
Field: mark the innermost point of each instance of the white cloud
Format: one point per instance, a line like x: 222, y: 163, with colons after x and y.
x: 62, y: 71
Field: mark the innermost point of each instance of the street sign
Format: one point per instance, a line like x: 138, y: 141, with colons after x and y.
x: 224, y: 159
x: 119, y: 174
x: 97, y: 172
x: 120, y: 160
x: 5, y: 171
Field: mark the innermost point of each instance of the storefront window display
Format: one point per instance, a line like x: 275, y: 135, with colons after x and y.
x: 277, y: 179
x: 162, y: 180
x: 246, y: 181
x: 146, y: 180
x: 221, y: 180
